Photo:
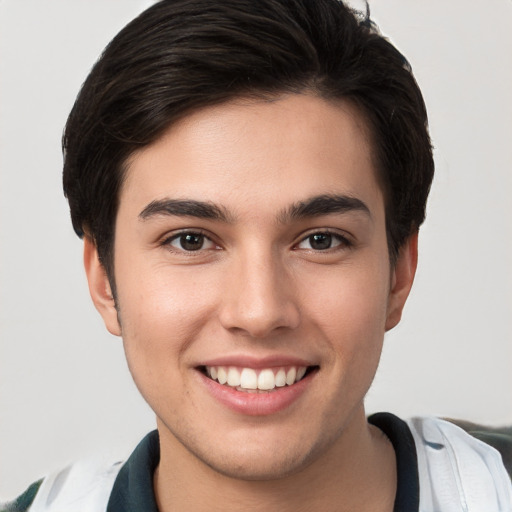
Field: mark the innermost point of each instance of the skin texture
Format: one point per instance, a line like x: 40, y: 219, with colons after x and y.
x: 258, y: 288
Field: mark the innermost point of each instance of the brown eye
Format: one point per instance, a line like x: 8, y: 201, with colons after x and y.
x: 322, y: 241
x: 189, y: 242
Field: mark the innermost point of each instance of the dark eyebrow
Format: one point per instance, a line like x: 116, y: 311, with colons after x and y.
x: 313, y: 207
x: 323, y: 205
x: 184, y: 208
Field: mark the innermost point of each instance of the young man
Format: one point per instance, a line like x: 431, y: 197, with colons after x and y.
x: 249, y: 179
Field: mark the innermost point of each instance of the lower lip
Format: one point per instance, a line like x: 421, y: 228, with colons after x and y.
x: 257, y: 404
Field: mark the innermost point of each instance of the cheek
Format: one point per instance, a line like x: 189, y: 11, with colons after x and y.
x: 156, y: 300
x: 352, y: 299
x: 160, y: 317
x: 352, y: 316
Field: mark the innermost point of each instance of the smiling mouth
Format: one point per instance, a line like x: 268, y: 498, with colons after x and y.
x: 250, y: 380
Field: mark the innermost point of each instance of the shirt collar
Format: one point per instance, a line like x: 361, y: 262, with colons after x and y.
x: 133, y: 488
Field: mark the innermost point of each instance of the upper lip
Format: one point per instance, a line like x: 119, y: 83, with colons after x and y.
x: 248, y: 361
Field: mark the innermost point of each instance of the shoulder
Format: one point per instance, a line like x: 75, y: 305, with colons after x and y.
x: 91, y: 484
x: 85, y: 485
x: 455, y: 466
x: 22, y: 502
x: 499, y: 438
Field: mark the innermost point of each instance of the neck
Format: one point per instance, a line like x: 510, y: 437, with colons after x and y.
x: 357, y: 473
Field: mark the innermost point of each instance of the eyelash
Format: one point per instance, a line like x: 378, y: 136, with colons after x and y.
x: 167, y: 242
x: 343, y: 241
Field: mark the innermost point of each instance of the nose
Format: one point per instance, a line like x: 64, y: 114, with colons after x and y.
x: 259, y: 298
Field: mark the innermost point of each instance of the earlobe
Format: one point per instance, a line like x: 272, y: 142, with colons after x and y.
x: 402, y: 279
x: 99, y: 287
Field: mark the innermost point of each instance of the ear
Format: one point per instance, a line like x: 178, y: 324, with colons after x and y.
x: 99, y: 287
x: 402, y: 277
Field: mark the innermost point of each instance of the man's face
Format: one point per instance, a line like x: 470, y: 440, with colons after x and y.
x: 251, y: 246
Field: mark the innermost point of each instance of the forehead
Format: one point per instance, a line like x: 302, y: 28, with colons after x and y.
x: 257, y: 152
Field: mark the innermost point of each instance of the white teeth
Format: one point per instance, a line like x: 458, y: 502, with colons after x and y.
x: 233, y: 377
x: 266, y: 380
x: 300, y: 373
x: 280, y: 378
x: 290, y: 376
x: 251, y: 380
x: 222, y: 376
x: 248, y: 379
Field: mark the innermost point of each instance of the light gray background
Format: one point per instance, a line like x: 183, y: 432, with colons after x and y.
x: 65, y: 391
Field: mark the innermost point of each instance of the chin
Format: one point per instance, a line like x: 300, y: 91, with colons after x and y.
x: 252, y: 467
x: 261, y: 458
